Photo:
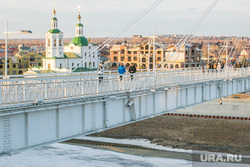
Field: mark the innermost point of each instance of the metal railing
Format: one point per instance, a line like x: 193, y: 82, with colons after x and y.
x: 31, y: 90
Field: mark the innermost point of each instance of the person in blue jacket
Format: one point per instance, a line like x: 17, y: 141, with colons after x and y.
x: 121, y: 70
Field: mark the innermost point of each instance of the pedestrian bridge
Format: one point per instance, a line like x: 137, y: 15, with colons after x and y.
x: 39, y: 110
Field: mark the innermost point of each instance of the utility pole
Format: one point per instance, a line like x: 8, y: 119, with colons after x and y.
x: 226, y: 54
x: 208, y: 54
x: 149, y: 42
x: 154, y: 48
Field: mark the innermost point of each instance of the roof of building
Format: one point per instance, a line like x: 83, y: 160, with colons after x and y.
x: 80, y: 41
x: 54, y: 31
x: 79, y: 24
x: 54, y: 18
x: 71, y: 55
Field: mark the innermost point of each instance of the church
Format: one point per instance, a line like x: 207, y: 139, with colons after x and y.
x: 79, y: 53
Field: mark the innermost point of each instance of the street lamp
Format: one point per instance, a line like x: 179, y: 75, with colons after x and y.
x: 6, y: 45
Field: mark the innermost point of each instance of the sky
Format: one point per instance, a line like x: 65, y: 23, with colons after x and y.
x: 103, y: 18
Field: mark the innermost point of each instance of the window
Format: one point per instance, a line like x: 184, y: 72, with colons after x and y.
x: 7, y: 66
x: 48, y: 66
x: 39, y: 58
x: 78, y: 65
x: 14, y: 66
x: 39, y: 64
x: 19, y: 61
x: 129, y: 58
x: 60, y: 42
x: 32, y: 58
x: 25, y: 65
x: 142, y: 48
x: 143, y: 59
x: 73, y: 64
x: 1, y: 72
x: 8, y: 61
x: 122, y: 51
x: 72, y: 48
x: 25, y: 59
x: 48, y: 42
x: 55, y: 42
x: 1, y: 66
x: 122, y: 58
x: 129, y: 52
x: 158, y: 52
x: 93, y: 64
x: 85, y: 54
x: 19, y: 66
x: 115, y: 58
x: 135, y: 58
x: 115, y: 53
x: 14, y: 72
x: 60, y: 65
x: 158, y: 58
x: 89, y: 47
x: 135, y: 52
x: 146, y: 47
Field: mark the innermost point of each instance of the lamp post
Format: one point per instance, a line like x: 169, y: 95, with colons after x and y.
x: 6, y: 45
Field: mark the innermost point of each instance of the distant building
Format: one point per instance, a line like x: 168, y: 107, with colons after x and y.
x: 142, y: 56
x: 69, y: 56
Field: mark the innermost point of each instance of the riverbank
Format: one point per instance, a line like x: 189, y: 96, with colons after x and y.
x: 206, y: 134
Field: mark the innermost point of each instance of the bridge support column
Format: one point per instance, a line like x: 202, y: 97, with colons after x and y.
x: 7, y: 134
x: 166, y: 98
x: 105, y: 123
x: 26, y: 129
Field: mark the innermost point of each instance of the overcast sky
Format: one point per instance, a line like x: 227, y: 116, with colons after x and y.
x: 102, y: 18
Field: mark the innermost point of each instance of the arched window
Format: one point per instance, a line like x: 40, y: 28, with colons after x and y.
x: 93, y: 64
x: 85, y: 64
x: 73, y: 64
x: 61, y: 65
x: 177, y: 66
x: 48, y: 42
x: 54, y: 42
x: 122, y: 51
x: 60, y: 42
x: 143, y: 59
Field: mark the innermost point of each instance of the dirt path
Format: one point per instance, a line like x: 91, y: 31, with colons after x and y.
x: 230, y: 136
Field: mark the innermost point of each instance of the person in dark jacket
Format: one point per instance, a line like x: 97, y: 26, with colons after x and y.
x: 132, y: 70
x: 121, y: 70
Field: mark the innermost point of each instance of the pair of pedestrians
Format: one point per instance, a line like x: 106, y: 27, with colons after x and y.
x: 122, y: 70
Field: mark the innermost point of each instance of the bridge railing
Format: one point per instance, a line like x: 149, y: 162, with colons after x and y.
x: 32, y: 90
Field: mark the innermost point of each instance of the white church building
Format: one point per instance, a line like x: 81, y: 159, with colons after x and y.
x: 60, y: 56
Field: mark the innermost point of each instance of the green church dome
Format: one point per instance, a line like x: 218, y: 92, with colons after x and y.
x: 80, y: 41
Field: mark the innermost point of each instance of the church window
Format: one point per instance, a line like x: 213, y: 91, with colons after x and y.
x: 89, y: 47
x: 93, y: 64
x: 60, y: 42
x: 61, y: 65
x: 85, y: 54
x: 49, y: 42
x: 72, y: 64
x: 89, y: 54
x: 76, y: 32
x: 55, y: 42
x: 78, y: 65
x: 85, y: 64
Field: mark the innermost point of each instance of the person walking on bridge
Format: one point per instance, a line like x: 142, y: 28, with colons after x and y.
x: 100, y: 72
x: 132, y: 70
x: 121, y: 70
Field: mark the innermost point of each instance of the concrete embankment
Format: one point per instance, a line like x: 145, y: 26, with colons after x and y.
x: 219, y: 135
